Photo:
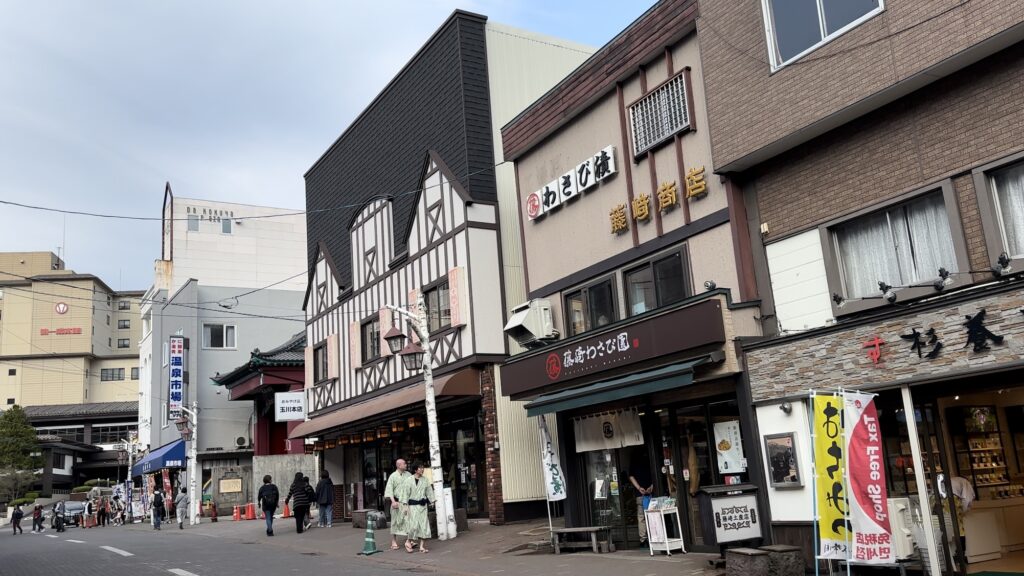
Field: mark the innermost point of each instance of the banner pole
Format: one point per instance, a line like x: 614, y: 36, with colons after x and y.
x: 922, y: 482
x: 846, y: 477
x: 814, y: 481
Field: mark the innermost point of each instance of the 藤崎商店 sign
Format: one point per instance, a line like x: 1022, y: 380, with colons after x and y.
x: 572, y: 184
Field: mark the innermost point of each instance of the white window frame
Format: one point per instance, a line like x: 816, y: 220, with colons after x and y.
x: 226, y: 223
x: 641, y: 108
x: 769, y: 30
x: 224, y: 327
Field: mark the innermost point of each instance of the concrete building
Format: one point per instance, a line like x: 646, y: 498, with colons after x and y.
x: 878, y: 147
x: 226, y: 283
x: 427, y: 217
x: 65, y: 338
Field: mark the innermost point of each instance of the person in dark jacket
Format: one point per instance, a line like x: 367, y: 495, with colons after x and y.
x: 325, y: 499
x: 16, y: 517
x: 300, y: 501
x: 268, y: 497
x: 311, y: 494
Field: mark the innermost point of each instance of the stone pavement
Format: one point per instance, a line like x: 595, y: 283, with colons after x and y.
x: 481, y: 550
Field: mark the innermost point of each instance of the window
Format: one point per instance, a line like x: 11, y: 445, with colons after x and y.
x: 76, y: 433
x: 111, y: 434
x: 439, y: 308
x: 123, y: 324
x: 320, y: 363
x: 1008, y: 197
x: 108, y: 319
x: 110, y: 343
x: 124, y: 305
x: 370, y: 337
x: 225, y: 226
x: 58, y: 461
x: 901, y: 246
x: 590, y: 307
x: 795, y: 27
x: 659, y: 115
x: 12, y: 371
x: 135, y: 373
x: 218, y: 336
x: 111, y: 374
x: 193, y: 222
x: 124, y: 343
x: 657, y: 283
x: 10, y: 401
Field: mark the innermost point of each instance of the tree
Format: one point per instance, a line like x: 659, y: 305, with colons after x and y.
x: 19, y: 447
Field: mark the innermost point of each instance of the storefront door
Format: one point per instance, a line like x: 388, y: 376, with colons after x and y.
x: 604, y: 492
x: 463, y: 460
x: 372, y: 487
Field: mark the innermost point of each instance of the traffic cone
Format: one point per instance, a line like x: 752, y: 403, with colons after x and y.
x: 250, y: 511
x: 369, y: 541
x: 236, y: 515
x: 287, y: 512
x: 213, y: 511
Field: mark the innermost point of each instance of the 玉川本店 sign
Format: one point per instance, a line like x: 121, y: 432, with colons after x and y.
x: 289, y: 406
x: 572, y: 184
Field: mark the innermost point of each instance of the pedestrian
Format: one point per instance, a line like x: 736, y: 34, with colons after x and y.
x: 311, y: 495
x: 181, y: 504
x: 158, y: 509
x: 639, y: 475
x: 417, y: 492
x: 104, y: 511
x: 16, y: 517
x: 399, y: 510
x: 58, y: 515
x: 268, y: 497
x: 37, y: 520
x: 300, y: 501
x: 325, y: 499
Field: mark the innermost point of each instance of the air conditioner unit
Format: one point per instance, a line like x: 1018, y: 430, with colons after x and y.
x: 902, y: 520
x: 241, y: 442
x: 530, y: 324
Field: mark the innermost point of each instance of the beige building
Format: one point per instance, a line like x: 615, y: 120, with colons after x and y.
x: 65, y: 338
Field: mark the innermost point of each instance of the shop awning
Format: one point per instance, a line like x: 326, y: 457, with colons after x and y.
x: 464, y: 382
x: 639, y: 384
x: 167, y: 456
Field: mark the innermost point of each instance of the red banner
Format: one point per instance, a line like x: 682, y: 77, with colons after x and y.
x: 868, y: 498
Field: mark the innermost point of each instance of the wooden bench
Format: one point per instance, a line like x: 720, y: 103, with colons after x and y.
x: 556, y: 538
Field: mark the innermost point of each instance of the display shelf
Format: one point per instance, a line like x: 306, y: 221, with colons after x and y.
x: 978, y: 448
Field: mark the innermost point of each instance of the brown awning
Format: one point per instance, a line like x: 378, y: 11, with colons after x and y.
x: 465, y: 382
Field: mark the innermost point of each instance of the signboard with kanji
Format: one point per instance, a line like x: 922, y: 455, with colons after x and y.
x: 176, y: 376
x: 289, y: 406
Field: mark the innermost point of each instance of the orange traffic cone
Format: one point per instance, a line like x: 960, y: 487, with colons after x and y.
x: 250, y: 511
x: 236, y: 515
x: 287, y: 512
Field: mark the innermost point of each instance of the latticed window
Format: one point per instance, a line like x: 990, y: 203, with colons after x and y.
x: 659, y: 115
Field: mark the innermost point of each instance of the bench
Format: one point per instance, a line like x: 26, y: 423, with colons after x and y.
x: 557, y: 533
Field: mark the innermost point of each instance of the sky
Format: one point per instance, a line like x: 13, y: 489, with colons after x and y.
x: 102, y: 102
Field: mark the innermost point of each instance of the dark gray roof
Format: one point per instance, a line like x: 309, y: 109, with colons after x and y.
x: 94, y: 409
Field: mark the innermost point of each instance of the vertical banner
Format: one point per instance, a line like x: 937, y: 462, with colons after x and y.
x: 176, y: 377
x: 829, y: 465
x: 868, y: 499
x: 554, y: 481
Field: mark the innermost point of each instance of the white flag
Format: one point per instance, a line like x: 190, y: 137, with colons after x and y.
x: 554, y: 480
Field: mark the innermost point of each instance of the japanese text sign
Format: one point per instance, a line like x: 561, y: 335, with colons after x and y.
x: 572, y: 184
x: 176, y: 376
x: 868, y: 500
x: 289, y: 406
x: 829, y: 449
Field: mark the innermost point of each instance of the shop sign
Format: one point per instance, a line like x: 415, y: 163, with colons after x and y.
x: 230, y: 485
x: 735, y: 518
x: 176, y: 376
x: 928, y: 344
x: 60, y: 308
x: 868, y: 499
x: 554, y: 480
x: 618, y: 347
x: 729, y: 444
x: 572, y: 184
x: 289, y: 406
x: 830, y: 501
x: 59, y: 331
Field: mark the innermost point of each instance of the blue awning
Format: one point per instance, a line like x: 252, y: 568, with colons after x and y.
x: 167, y: 456
x: 639, y: 384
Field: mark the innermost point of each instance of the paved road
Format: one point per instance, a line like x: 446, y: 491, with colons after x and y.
x: 115, y: 552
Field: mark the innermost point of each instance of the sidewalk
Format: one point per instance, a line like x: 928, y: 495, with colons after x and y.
x: 479, y: 551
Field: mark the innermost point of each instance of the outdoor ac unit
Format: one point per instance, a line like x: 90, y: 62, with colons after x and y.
x: 241, y: 442
x: 530, y: 324
x: 902, y: 520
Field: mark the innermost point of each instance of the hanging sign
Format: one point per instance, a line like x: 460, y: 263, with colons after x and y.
x: 830, y: 499
x: 572, y: 184
x: 608, y: 431
x: 554, y: 480
x: 176, y: 376
x: 868, y: 503
x: 289, y: 406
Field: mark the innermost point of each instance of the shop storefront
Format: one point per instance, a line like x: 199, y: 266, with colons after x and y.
x: 657, y: 407
x: 957, y: 365
x: 163, y: 469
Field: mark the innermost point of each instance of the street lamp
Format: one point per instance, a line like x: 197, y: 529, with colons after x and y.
x: 188, y: 426
x: 413, y: 359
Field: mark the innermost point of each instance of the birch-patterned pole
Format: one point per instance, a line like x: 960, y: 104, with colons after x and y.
x: 434, y: 446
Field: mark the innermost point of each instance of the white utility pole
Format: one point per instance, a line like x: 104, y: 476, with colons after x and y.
x: 193, y: 462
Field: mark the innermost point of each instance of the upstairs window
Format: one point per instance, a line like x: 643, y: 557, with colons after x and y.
x: 123, y: 324
x: 370, y: 337
x: 1008, y: 196
x: 659, y: 115
x: 796, y: 27
x: 111, y: 374
x: 135, y: 373
x: 659, y: 282
x: 439, y: 307
x: 590, y: 308
x: 225, y: 226
x: 320, y: 363
x: 901, y: 246
x: 124, y: 305
x: 124, y: 343
x: 193, y: 222
x: 218, y: 336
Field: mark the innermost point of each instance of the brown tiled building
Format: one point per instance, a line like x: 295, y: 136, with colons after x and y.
x: 878, y: 146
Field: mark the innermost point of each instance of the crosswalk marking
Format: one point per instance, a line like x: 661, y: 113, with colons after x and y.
x: 51, y: 536
x: 181, y: 572
x: 117, y: 551
x: 76, y: 541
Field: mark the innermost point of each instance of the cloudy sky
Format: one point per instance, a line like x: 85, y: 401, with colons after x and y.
x: 101, y: 102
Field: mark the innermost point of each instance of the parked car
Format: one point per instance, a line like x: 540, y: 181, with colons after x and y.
x: 73, y: 512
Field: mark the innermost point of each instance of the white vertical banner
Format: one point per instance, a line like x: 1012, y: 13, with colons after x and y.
x: 176, y: 377
x: 554, y: 480
x: 729, y: 445
x: 866, y: 494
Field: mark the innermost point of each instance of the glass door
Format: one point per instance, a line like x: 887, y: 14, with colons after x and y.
x: 691, y: 423
x: 371, y: 480
x: 604, y: 492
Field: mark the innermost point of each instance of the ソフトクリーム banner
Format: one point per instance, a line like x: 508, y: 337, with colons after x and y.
x: 830, y: 485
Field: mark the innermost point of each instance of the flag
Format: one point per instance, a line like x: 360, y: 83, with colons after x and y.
x: 554, y: 480
x: 830, y: 486
x: 867, y: 496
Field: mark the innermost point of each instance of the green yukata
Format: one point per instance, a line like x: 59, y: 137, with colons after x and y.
x: 392, y: 490
x: 417, y: 522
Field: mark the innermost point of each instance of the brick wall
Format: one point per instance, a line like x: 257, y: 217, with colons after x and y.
x: 751, y: 107
x: 944, y: 130
x: 488, y: 401
x: 829, y: 358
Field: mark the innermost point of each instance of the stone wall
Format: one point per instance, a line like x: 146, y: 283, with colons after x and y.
x: 282, y: 469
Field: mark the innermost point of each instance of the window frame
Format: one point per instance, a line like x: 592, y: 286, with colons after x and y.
x: 135, y: 373
x: 769, y: 30
x: 372, y: 341
x: 124, y: 324
x: 111, y: 374
x: 226, y: 223
x: 584, y: 290
x: 435, y: 288
x: 224, y: 326
x: 320, y: 365
x: 683, y: 254
x: 126, y: 341
x: 833, y: 272
x: 189, y: 220
x: 988, y: 208
x: 682, y: 76
x: 124, y: 305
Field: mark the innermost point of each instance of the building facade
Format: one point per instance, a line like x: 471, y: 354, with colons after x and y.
x: 419, y: 164
x: 878, y: 149
x: 65, y: 338
x: 642, y: 257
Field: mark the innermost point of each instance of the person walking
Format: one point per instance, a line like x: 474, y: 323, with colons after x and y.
x: 398, y: 509
x: 181, y: 504
x: 311, y: 496
x: 16, y: 517
x: 325, y: 499
x: 267, y: 498
x: 104, y: 511
x: 37, y: 520
x: 300, y: 501
x: 417, y: 492
x: 158, y: 509
x: 58, y: 516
